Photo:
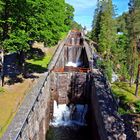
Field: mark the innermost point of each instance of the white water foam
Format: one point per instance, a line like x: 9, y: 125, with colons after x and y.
x: 71, y: 64
x: 63, y: 116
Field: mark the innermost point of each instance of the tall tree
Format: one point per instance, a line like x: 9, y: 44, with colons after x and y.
x: 96, y: 23
x: 104, y: 32
x: 107, y: 34
x: 134, y: 33
x: 137, y: 81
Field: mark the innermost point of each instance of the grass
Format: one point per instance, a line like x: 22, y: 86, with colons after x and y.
x: 10, y: 100
x: 122, y: 89
x: 48, y: 55
x: 1, y: 90
x: 127, y: 98
x: 44, y: 61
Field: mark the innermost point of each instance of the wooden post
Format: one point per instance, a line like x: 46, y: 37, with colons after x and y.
x: 137, y: 81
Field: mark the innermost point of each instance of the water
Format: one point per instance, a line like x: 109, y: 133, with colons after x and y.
x: 69, y: 123
x: 73, y: 64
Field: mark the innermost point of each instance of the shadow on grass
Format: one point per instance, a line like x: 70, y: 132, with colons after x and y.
x: 33, y: 68
x: 36, y: 54
x: 13, y: 80
x: 13, y: 72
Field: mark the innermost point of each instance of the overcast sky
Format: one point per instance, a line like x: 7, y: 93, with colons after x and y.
x: 84, y: 10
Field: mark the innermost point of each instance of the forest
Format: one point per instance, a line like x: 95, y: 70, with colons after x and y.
x: 118, y: 39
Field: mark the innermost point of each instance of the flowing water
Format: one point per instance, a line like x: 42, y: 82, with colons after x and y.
x: 69, y: 123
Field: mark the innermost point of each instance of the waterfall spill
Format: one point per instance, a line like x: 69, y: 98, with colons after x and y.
x: 68, y: 123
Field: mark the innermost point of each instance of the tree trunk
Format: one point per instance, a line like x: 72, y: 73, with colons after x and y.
x: 137, y: 81
x: 131, y: 75
x: 21, y: 61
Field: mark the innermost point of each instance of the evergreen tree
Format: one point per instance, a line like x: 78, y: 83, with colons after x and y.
x: 134, y: 33
x: 104, y: 32
x: 107, y: 34
x: 96, y: 23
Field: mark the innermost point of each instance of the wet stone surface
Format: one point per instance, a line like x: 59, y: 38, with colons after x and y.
x: 68, y: 133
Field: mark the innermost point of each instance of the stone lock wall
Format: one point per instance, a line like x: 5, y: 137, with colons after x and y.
x: 32, y: 124
x: 59, y: 86
x: 69, y: 87
x: 103, y: 107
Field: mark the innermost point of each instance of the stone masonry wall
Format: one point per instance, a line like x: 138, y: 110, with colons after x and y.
x: 68, y: 87
x: 32, y: 117
x: 31, y: 122
x: 104, y: 109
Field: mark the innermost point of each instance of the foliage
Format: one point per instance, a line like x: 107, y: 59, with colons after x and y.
x: 106, y: 66
x: 104, y: 32
x: 39, y: 21
x: 121, y: 23
x: 75, y: 25
x: 1, y: 90
x: 117, y: 38
x: 23, y: 22
x: 134, y: 36
x: 137, y: 104
x: 69, y: 15
x: 127, y: 99
x: 122, y: 89
x: 96, y: 23
x: 123, y: 111
x: 107, y: 30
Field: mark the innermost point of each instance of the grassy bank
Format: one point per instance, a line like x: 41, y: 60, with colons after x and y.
x: 126, y: 95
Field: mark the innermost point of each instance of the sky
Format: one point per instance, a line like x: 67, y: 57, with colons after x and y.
x: 84, y: 10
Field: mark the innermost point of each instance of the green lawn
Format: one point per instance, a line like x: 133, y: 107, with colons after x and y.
x: 39, y: 65
x: 43, y: 63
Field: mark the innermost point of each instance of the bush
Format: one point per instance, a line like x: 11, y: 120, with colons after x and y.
x: 1, y: 90
x: 137, y: 105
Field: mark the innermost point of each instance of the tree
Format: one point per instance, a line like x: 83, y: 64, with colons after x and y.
x: 134, y: 33
x: 26, y: 21
x: 69, y: 11
x: 104, y: 32
x: 76, y: 25
x: 96, y: 23
x: 107, y: 34
x: 137, y: 81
